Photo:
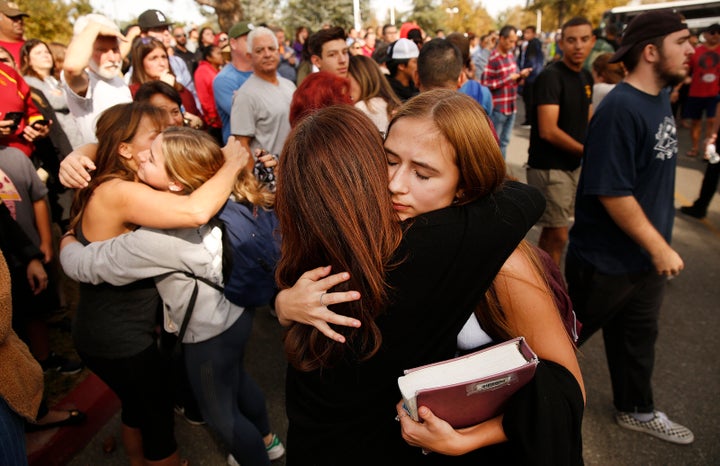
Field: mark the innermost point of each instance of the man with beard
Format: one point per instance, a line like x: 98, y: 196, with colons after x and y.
x: 619, y: 255
x: 91, y: 72
x: 261, y: 107
x: 560, y: 113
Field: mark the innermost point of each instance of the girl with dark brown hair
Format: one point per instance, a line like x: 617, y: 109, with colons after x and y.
x: 446, y: 173
x: 114, y: 328
x: 150, y: 62
x: 179, y: 161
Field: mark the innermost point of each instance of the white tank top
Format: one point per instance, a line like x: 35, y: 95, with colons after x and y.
x: 472, y: 335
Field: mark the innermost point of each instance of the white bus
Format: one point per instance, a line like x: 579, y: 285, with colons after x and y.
x: 698, y: 14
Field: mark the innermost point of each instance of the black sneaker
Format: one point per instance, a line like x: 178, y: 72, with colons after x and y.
x: 61, y: 364
x: 693, y: 211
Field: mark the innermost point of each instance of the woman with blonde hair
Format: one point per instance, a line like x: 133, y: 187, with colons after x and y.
x: 371, y: 91
x: 114, y: 327
x: 461, y: 219
x: 187, y: 264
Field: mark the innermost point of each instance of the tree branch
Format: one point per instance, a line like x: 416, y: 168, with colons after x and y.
x: 210, y: 3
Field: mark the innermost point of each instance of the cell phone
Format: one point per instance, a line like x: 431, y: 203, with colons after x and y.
x: 16, y: 117
x: 42, y: 122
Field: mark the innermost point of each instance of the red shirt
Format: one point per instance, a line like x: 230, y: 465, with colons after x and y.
x: 15, y: 97
x: 14, y: 49
x: 204, y: 76
x: 496, y: 77
x: 705, y: 69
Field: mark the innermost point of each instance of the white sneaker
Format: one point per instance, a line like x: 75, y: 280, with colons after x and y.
x: 274, y: 451
x: 659, y: 426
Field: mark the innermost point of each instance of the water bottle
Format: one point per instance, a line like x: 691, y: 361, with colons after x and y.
x: 711, y: 154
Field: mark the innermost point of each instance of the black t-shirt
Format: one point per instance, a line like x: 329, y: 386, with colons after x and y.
x: 447, y: 260
x: 403, y: 92
x: 572, y: 91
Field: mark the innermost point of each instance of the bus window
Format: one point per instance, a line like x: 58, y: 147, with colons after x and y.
x: 698, y: 14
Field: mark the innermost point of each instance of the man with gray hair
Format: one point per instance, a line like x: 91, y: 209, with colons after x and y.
x: 91, y: 72
x: 261, y: 107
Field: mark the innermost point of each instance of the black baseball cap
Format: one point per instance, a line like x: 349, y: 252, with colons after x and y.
x: 150, y: 19
x: 646, y: 27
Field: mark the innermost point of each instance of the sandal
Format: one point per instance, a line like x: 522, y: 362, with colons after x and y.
x: 692, y: 153
x: 75, y: 417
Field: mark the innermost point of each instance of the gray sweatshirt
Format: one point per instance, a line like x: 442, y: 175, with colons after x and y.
x: 163, y: 254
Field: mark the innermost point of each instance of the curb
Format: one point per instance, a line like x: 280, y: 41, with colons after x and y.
x: 58, y: 446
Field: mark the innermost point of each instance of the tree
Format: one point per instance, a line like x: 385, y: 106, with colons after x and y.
x: 228, y: 12
x: 261, y: 11
x: 80, y: 8
x: 556, y: 12
x: 52, y: 20
x: 428, y: 15
x: 315, y: 14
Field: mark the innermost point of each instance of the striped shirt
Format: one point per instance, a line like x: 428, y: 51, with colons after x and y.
x: 497, y: 78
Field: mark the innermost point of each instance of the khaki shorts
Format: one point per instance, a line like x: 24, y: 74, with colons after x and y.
x: 559, y: 188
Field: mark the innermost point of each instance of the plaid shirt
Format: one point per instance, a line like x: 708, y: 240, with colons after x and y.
x: 497, y: 78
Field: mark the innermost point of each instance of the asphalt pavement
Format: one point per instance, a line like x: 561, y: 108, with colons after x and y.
x: 686, y: 380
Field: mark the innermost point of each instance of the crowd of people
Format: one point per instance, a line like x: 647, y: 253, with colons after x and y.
x: 380, y: 154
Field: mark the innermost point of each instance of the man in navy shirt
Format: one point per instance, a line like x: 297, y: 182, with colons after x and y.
x: 619, y: 255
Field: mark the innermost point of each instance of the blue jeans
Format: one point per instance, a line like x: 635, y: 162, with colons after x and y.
x: 229, y: 399
x: 12, y: 436
x: 503, y: 127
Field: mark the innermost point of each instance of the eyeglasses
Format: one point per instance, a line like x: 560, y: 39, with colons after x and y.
x: 177, y: 36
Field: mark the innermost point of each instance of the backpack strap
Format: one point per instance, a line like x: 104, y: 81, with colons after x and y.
x: 193, y: 299
x: 188, y: 313
x: 207, y: 282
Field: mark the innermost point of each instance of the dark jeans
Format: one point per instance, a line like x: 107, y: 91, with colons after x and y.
x: 626, y: 308
x: 709, y: 187
x: 229, y: 399
x: 12, y: 436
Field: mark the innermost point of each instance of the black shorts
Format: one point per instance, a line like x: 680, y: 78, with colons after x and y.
x: 143, y: 384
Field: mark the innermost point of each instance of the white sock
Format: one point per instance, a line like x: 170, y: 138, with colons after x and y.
x: 643, y: 417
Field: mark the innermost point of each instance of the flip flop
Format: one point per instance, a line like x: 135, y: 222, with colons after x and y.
x: 75, y: 417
